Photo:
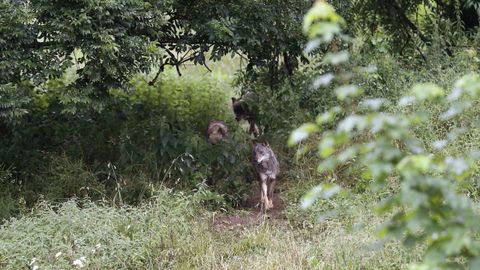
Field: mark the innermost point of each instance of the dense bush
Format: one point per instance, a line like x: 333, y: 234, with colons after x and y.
x: 383, y: 137
x: 156, y: 133
x: 8, y: 205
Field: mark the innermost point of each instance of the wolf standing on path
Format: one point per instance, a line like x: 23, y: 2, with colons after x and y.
x: 267, y: 168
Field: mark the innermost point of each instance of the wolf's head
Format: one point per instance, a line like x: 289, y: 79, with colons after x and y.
x: 261, y: 152
x: 265, y: 161
x: 240, y: 109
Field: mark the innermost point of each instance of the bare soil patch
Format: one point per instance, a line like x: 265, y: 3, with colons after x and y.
x: 249, y: 213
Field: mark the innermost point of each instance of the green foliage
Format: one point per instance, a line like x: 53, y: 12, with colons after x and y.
x: 429, y: 208
x: 13, y: 100
x: 116, y: 40
x: 103, y: 44
x: 172, y: 231
x: 64, y: 178
x: 98, y: 236
x: 70, y: 87
x: 165, y: 133
x: 273, y: 106
x: 413, y: 25
x: 156, y: 134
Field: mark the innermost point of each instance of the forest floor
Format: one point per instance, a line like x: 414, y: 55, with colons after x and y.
x: 250, y: 214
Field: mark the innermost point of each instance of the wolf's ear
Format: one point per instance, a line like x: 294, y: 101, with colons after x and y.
x: 233, y: 99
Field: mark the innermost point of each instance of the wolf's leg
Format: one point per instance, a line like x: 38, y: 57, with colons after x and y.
x: 271, y: 188
x: 264, y: 193
x: 253, y: 128
x: 262, y: 198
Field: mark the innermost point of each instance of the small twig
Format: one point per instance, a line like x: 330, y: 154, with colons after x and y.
x: 161, y: 68
x: 205, y: 65
x: 177, y: 67
x: 173, y: 163
x: 175, y: 62
x: 241, y: 56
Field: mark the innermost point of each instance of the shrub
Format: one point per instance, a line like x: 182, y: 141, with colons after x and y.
x: 8, y: 204
x: 429, y: 208
x: 156, y: 133
x: 98, y: 236
x: 165, y: 133
x: 65, y: 178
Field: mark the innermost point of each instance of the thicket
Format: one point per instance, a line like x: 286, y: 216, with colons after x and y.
x: 90, y: 105
x: 408, y: 141
x: 156, y: 134
x: 103, y: 114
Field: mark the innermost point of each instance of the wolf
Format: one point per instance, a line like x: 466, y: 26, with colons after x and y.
x: 242, y: 111
x: 267, y: 168
x: 217, y: 131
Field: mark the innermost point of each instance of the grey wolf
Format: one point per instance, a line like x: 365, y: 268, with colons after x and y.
x: 268, y: 169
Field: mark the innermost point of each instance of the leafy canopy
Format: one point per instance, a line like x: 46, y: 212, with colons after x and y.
x: 101, y: 44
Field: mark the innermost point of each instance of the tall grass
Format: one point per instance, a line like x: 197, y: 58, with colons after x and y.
x: 174, y: 231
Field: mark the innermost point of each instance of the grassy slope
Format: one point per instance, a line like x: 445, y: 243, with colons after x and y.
x: 175, y: 232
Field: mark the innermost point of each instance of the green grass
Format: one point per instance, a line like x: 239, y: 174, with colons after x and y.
x: 174, y: 231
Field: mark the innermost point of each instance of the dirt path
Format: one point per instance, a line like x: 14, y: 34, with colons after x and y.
x: 249, y: 213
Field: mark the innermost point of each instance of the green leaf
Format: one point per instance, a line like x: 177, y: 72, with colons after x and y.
x: 419, y: 163
x: 328, y: 116
x: 336, y: 58
x: 455, y: 109
x: 469, y: 84
x: 323, y: 80
x: 386, y: 205
x: 321, y: 11
x: 384, y: 121
x: 379, y: 170
x: 440, y: 144
x: 325, y: 31
x: 302, y: 133
x: 351, y: 122
x: 347, y: 91
x: 327, y: 165
x: 406, y: 101
x: 327, y: 147
x: 312, y: 45
x: 457, y: 165
x: 427, y: 91
x: 348, y: 154
x: 374, y: 104
x: 322, y: 191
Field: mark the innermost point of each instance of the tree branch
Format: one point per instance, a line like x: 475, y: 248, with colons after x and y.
x: 398, y: 12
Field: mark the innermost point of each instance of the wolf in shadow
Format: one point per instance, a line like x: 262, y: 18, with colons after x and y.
x: 242, y: 111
